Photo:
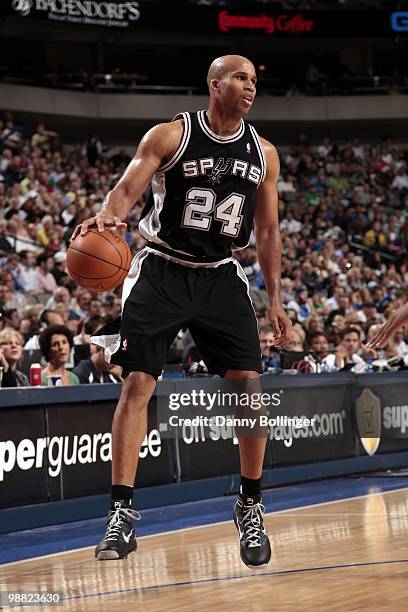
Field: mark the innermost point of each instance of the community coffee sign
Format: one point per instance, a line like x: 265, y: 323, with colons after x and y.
x: 87, y: 12
x: 285, y: 24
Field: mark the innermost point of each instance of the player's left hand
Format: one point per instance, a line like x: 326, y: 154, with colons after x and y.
x: 281, y: 324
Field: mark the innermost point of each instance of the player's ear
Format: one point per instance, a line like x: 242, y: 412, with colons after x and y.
x: 214, y: 85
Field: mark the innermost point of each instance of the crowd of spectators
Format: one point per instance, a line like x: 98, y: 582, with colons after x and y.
x: 344, y: 225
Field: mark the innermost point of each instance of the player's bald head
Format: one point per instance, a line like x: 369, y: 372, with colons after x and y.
x: 226, y: 64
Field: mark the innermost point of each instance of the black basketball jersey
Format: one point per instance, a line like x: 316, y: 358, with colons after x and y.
x: 203, y: 202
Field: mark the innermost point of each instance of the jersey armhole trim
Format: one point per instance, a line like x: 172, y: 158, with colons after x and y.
x: 261, y: 153
x: 183, y: 144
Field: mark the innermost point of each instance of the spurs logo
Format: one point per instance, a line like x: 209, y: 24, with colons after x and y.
x: 221, y: 167
x: 22, y: 6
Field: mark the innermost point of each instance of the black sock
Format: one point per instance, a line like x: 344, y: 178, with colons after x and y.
x: 250, y: 487
x: 122, y: 493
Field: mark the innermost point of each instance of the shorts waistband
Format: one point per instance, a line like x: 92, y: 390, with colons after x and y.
x: 183, y: 258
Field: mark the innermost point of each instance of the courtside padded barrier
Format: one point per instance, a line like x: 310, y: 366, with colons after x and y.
x: 55, y: 443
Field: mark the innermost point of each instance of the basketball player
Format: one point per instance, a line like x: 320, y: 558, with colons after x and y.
x: 211, y: 175
x: 397, y: 319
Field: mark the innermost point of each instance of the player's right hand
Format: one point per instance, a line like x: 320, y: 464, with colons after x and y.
x: 396, y: 320
x: 100, y: 221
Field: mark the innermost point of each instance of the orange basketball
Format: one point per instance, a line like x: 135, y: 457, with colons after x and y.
x: 99, y: 261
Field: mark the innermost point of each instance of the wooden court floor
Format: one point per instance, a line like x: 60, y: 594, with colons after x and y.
x: 348, y: 555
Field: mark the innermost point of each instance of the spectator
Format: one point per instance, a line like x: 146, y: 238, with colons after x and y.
x: 45, y: 280
x: 400, y: 180
x: 84, y: 299
x: 27, y: 276
x: 301, y: 305
x: 319, y: 353
x: 375, y: 237
x: 11, y: 318
x: 95, y: 307
x: 56, y: 343
x: 45, y: 231
x: 95, y: 369
x: 30, y: 325
x: 112, y: 307
x: 290, y: 223
x: 346, y: 356
x: 400, y: 344
x: 93, y: 149
x: 47, y: 317
x: 42, y: 137
x: 295, y: 343
x: 313, y: 324
x: 332, y: 198
x: 63, y: 296
x: 11, y: 351
x: 5, y: 244
x: 59, y: 270
x: 270, y: 358
x: 15, y: 299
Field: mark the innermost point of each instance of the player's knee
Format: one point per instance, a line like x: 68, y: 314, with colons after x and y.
x: 137, y: 389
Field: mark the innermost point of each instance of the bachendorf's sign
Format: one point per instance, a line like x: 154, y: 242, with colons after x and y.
x: 87, y: 12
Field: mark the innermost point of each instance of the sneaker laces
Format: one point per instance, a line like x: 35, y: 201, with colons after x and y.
x: 253, y: 524
x: 116, y: 519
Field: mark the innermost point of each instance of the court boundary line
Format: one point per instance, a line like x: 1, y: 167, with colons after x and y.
x: 154, y: 535
x: 203, y: 581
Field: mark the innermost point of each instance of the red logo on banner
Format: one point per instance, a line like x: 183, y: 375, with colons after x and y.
x: 294, y: 24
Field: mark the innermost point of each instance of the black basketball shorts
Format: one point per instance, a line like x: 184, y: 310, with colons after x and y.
x: 161, y: 296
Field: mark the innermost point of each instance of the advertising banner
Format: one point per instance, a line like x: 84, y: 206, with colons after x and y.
x: 381, y: 414
x: 80, y: 452
x: 57, y: 448
x: 250, y: 19
x: 303, y: 424
x: 326, y: 427
x: 23, y: 456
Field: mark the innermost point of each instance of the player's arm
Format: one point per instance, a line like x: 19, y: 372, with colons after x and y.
x: 269, y: 244
x: 158, y: 145
x: 397, y: 319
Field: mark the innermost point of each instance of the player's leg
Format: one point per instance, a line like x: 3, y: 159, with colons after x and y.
x: 226, y: 334
x: 129, y: 426
x: 248, y: 511
x: 128, y: 431
x: 251, y: 449
x: 154, y: 311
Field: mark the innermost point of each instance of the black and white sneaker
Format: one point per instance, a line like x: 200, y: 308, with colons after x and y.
x: 120, y: 538
x: 254, y: 543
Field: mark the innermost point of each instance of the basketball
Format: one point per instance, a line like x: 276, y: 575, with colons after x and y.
x: 99, y: 261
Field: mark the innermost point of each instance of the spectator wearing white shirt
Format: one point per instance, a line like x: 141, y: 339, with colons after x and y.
x: 358, y: 149
x: 400, y: 344
x: 400, y: 181
x: 320, y: 359
x: 346, y: 357
x: 325, y: 148
x: 290, y: 223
